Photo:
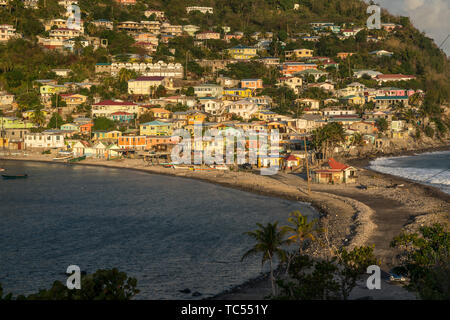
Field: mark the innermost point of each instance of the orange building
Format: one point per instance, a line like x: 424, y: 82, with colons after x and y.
x: 132, y: 142
x: 252, y: 83
x: 86, y: 128
x: 344, y: 55
x: 290, y: 68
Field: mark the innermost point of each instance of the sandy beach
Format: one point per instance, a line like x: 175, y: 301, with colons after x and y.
x: 353, y: 216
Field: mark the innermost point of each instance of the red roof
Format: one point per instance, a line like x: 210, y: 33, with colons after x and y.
x: 336, y: 165
x: 144, y: 78
x: 114, y: 103
x: 393, y: 76
x: 290, y: 158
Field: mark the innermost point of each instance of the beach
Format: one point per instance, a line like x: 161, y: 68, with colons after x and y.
x: 352, y: 216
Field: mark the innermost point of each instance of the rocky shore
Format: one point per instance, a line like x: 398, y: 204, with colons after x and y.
x: 354, y: 217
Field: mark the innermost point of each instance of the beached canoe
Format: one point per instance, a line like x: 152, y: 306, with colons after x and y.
x: 62, y: 158
x: 16, y: 176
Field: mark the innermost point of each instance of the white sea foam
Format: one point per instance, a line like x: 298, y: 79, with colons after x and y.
x: 428, y: 168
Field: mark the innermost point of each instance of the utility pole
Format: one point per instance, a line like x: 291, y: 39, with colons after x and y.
x: 307, y: 165
x: 185, y: 69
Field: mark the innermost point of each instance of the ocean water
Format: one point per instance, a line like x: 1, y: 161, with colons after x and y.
x: 170, y: 233
x: 428, y: 168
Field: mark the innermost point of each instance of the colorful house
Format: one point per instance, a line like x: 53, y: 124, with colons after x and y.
x: 242, y: 92
x: 252, y: 83
x: 132, y: 142
x: 160, y: 113
x: 289, y: 68
x: 70, y: 127
x: 101, y: 135
x: 298, y: 53
x: 242, y: 52
x: 336, y: 173
x: 156, y: 128
x: 86, y: 128
x: 14, y: 123
x: 122, y: 116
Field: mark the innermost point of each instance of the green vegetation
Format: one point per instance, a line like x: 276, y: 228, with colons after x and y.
x: 333, y: 278
x: 269, y: 241
x: 101, y: 285
x: 426, y: 261
x: 102, y: 124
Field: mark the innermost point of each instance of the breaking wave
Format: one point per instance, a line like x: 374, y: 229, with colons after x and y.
x: 428, y: 168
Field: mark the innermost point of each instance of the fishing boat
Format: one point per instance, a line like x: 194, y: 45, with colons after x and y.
x: 16, y: 176
x: 221, y: 167
x: 77, y: 159
x: 180, y: 167
x: 62, y: 158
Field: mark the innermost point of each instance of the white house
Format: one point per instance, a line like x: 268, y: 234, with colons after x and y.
x: 106, y: 107
x: 213, y: 106
x: 243, y: 108
x: 203, y: 10
x: 311, y: 103
x: 145, y: 85
x: 44, y: 140
x: 208, y: 90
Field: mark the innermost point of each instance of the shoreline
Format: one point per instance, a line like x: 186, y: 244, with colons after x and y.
x: 349, y: 217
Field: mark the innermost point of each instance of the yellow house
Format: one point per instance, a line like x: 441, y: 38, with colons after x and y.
x: 244, y: 93
x: 100, y: 135
x: 52, y: 89
x: 160, y: 113
x: 298, y: 53
x: 4, y: 142
x: 242, y: 52
x: 264, y: 115
x: 156, y: 128
x: 29, y: 114
x: 355, y: 100
x: 196, y: 117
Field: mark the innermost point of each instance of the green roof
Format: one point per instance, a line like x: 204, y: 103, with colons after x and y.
x: 155, y: 123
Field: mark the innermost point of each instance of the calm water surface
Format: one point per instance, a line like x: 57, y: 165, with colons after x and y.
x: 170, y: 233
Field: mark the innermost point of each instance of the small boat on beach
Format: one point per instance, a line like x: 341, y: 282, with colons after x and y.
x: 221, y: 167
x: 62, y: 158
x: 180, y: 167
x: 16, y: 176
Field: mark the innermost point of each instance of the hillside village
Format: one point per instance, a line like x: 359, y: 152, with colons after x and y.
x: 131, y: 103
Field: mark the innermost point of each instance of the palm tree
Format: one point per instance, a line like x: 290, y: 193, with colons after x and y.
x: 357, y: 139
x: 269, y: 240
x: 38, y: 116
x: 300, y: 229
x: 125, y: 75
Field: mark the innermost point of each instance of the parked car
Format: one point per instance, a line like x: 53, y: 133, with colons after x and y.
x: 396, y: 275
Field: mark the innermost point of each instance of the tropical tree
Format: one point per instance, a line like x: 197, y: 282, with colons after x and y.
x: 300, y: 229
x: 269, y: 241
x: 328, y: 136
x: 382, y: 124
x: 426, y: 260
x: 38, y: 116
x: 357, y: 139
